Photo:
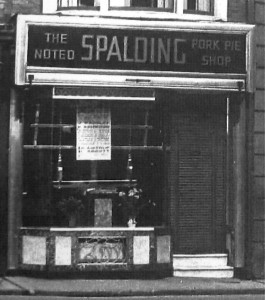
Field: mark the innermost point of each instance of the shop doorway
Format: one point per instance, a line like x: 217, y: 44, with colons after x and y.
x: 198, y: 174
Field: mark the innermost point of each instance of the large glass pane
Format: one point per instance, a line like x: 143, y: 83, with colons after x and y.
x: 143, y: 4
x: 54, y: 175
x: 78, y: 4
x: 198, y: 6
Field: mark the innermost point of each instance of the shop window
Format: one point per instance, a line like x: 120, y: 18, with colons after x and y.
x: 199, y: 7
x: 53, y: 173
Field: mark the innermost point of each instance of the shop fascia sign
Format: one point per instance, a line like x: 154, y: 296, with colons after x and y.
x: 56, y: 52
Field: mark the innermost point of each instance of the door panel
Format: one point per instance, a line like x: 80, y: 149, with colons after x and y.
x: 198, y: 148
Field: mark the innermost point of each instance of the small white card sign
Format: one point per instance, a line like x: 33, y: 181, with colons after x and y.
x: 93, y: 134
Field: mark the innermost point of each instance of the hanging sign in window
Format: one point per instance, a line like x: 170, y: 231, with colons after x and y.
x: 93, y: 134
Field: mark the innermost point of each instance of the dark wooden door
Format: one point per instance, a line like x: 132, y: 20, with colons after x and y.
x: 198, y: 164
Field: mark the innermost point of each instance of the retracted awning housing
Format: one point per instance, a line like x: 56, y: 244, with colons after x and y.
x: 71, y: 51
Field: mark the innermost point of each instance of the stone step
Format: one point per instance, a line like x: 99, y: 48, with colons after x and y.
x: 199, y: 260
x: 225, y: 272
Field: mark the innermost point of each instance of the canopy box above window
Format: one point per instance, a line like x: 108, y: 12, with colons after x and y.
x: 54, y: 50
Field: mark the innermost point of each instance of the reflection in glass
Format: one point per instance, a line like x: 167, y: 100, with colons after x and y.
x: 198, y: 6
x: 143, y: 4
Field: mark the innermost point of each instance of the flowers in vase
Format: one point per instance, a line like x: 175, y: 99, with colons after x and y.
x: 70, y: 206
x: 133, y: 203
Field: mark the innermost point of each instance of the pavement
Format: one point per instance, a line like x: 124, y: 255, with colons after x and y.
x: 25, y: 285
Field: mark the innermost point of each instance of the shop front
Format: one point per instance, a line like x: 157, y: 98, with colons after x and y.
x: 127, y: 144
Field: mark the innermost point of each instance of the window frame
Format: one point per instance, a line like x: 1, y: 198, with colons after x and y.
x: 219, y: 11
x: 52, y: 171
x: 178, y: 12
x: 147, y: 9
x: 79, y: 6
x: 200, y: 12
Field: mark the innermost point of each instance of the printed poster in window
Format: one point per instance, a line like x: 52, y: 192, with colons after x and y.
x: 93, y: 134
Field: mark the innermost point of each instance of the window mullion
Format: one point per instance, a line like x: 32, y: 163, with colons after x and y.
x: 178, y: 6
x: 198, y: 7
x: 104, y: 5
x: 36, y: 129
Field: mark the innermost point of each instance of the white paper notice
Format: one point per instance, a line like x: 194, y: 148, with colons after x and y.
x: 93, y: 134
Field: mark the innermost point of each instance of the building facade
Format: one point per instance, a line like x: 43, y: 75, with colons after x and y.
x: 139, y: 110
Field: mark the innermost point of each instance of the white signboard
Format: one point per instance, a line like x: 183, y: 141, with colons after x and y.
x: 93, y: 134
x: 63, y: 245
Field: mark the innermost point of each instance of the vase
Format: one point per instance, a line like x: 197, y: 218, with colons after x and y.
x: 72, y: 221
x: 132, y: 223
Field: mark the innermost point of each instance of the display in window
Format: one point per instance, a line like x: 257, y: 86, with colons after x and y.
x: 134, y: 202
x: 60, y: 190
x: 71, y: 206
x: 93, y: 134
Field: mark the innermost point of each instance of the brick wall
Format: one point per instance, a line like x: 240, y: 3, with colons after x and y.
x: 258, y: 242
x: 27, y: 6
x: 4, y: 125
x: 11, y: 7
x: 5, y: 10
x: 237, y: 10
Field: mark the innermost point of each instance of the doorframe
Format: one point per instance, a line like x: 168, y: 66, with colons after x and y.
x: 239, y: 182
x: 241, y: 174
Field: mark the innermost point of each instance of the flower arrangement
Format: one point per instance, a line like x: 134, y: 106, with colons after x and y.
x: 70, y: 207
x: 133, y: 202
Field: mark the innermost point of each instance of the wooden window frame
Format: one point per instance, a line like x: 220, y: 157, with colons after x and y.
x: 218, y: 12
x: 152, y: 7
x: 196, y: 11
x: 78, y: 6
